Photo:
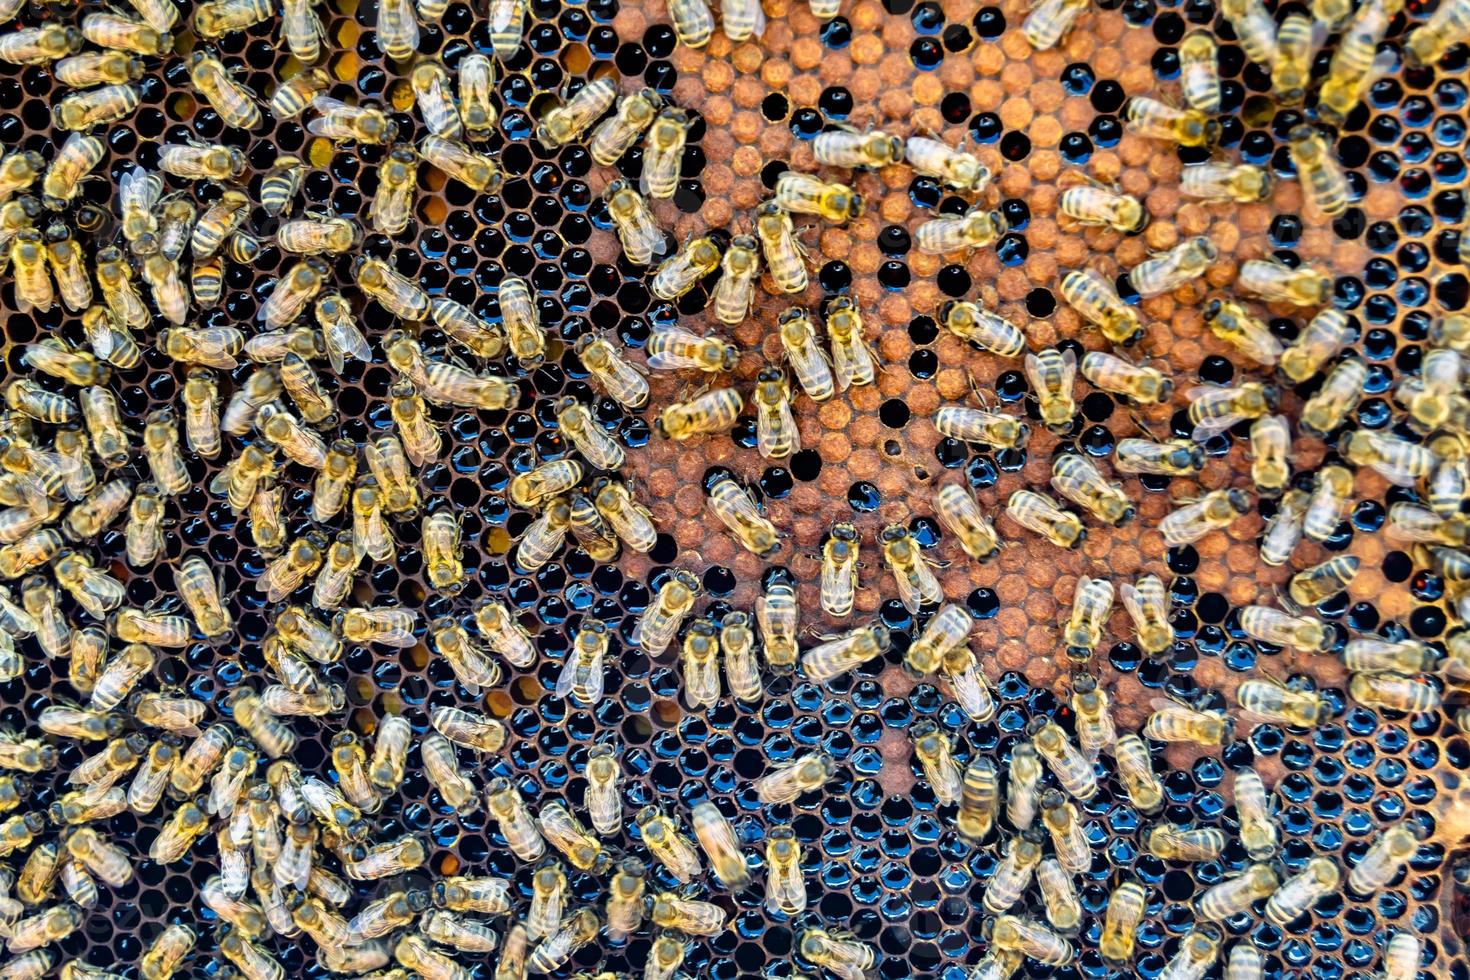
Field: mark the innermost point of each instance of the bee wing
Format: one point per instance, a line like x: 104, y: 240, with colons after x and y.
x: 1209, y: 428
x: 1033, y: 372
x: 665, y: 361
x: 1260, y: 346
x: 101, y: 593
x: 438, y: 109
x: 1069, y: 369
x: 568, y: 676
x: 343, y: 339
x: 1133, y: 601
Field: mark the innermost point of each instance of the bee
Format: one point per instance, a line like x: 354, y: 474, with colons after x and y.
x: 512, y: 962
x: 507, y: 24
x: 115, y: 278
x: 593, y: 534
x: 1095, y: 205
x: 1077, y: 479
x: 342, y: 123
x: 465, y: 935
x: 1394, y: 693
x: 164, y: 955
x: 578, y: 426
x: 1072, y: 769
x: 1215, y: 409
x: 1383, y: 860
x: 219, y: 222
x: 243, y: 476
x: 217, y: 18
x: 679, y: 273
x: 383, y: 860
x: 574, y: 932
x: 638, y: 231
x: 201, y: 161
x: 269, y: 732
x: 1125, y: 909
x: 737, y: 642
x: 785, y: 256
x: 912, y: 571
x: 1428, y: 42
x: 1258, y: 833
x: 1092, y: 604
x: 1330, y: 498
x: 52, y: 925
x: 120, y: 33
x: 33, y: 288
x: 735, y: 508
x: 839, y: 569
x: 1296, y: 39
x: 285, y: 574
x: 186, y: 825
x: 161, y: 447
x: 82, y: 111
x: 1412, y: 522
x: 976, y: 228
x: 1323, y: 581
x: 442, y: 769
x: 1050, y: 21
x: 522, y: 837
x: 318, y: 234
x: 1147, y: 606
x: 700, y: 655
x: 567, y: 122
x: 1233, y: 324
x: 953, y: 168
x: 543, y: 539
x: 1282, y: 629
x: 979, y: 797
x: 1052, y: 376
x: 1096, y: 732
x: 234, y: 103
x: 1270, y: 446
x: 1199, y: 71
x: 1356, y: 64
x: 170, y: 295
x: 1321, y: 176
x: 1433, y: 397
x: 982, y: 328
x: 1276, y: 282
x: 1059, y: 896
x: 1031, y: 939
x: 53, y: 633
x: 31, y: 551
x: 548, y: 900
x: 567, y: 835
x: 1197, y: 953
x: 694, y: 23
x: 1317, y: 879
x: 1277, y: 703
x: 674, y: 601
x: 803, y: 774
x: 434, y: 97
x: 1215, y: 511
x: 397, y: 294
x: 1181, y: 264
x: 810, y: 363
x: 604, y: 778
x: 88, y: 654
x: 1042, y: 515
x: 799, y: 193
x: 776, y: 614
x: 1136, y: 772
x: 1215, y: 182
x: 1233, y: 896
x: 441, y: 547
x: 1371, y: 655
x: 470, y: 664
x: 673, y: 348
x: 19, y: 170
x: 288, y: 101
x: 1175, y: 722
x: 462, y: 324
x: 671, y: 911
x: 389, y: 466
x: 504, y: 634
x: 1401, y: 957
x: 838, y: 656
x: 1186, y: 127
x: 960, y: 514
x: 1186, y: 844
x: 76, y: 158
x: 582, y: 673
x: 619, y: 379
x: 1338, y: 396
x: 736, y: 287
x: 475, y: 170
x: 935, y: 751
x: 28, y: 398
x: 64, y: 257
x: 663, y: 151
x: 421, y: 440
x: 302, y: 30
x: 1012, y: 876
x: 717, y: 838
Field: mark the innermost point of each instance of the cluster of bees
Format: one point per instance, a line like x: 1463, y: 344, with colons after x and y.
x: 278, y: 832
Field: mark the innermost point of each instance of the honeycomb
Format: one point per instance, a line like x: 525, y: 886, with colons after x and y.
x: 881, y: 857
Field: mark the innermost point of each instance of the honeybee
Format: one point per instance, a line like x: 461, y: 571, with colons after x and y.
x: 19, y: 170
x: 40, y: 45
x: 421, y: 440
x: 469, y: 663
x: 1070, y: 767
x: 1136, y: 772
x: 588, y: 438
x: 1042, y: 515
x: 1147, y: 606
x: 201, y: 161
x: 512, y: 962
x: 1067, y: 838
x: 1317, y: 879
x: 475, y: 170
x: 582, y: 673
x: 302, y: 30
x: 1186, y: 127
x: 1186, y: 844
x: 694, y: 23
x: 1320, y: 175
x: 1276, y: 282
x: 1052, y: 376
x: 442, y: 769
x: 1234, y: 324
x: 976, y: 228
x: 663, y: 151
x: 112, y: 30
x: 434, y: 96
x: 838, y: 656
x: 285, y: 574
x: 1296, y: 39
x: 803, y: 774
x: 1394, y: 692
x: 504, y: 634
x: 700, y: 656
x: 1031, y: 939
x: 492, y: 895
x: 979, y: 797
x: 1215, y: 511
x: 809, y: 362
x: 186, y: 825
x: 912, y: 571
x: 95, y: 107
x: 1077, y: 479
x: 799, y: 193
x: 737, y: 642
x: 1092, y: 604
x: 1433, y: 398
x: 383, y: 860
x: 1215, y: 409
x: 673, y: 348
x: 465, y: 935
x: 115, y: 279
x: 288, y: 101
x: 1383, y: 860
x: 1145, y: 385
x: 544, y: 538
x: 736, y: 287
x: 164, y: 955
x: 846, y: 147
x: 1401, y: 956
x: 567, y: 122
x: 323, y: 233
x: 960, y: 514
x: 396, y: 293
x: 234, y: 103
x: 342, y: 123
x: 1233, y: 896
x: 1356, y: 64
x: 1324, y: 580
x: 76, y: 158
x: 1012, y: 876
x: 1181, y: 264
x: 1371, y: 655
x: 64, y: 258
x: 604, y: 778
x: 935, y: 753
x: 1099, y: 206
x: 661, y: 620
x: 220, y: 17
x: 839, y: 569
x: 616, y: 134
x: 1329, y: 501
x: 464, y: 325
x: 1215, y: 182
x: 679, y: 273
x: 1276, y: 703
x: 638, y: 231
x: 785, y: 255
x: 1338, y: 396
x: 507, y: 24
x: 1172, y: 721
x: 619, y: 379
x: 1427, y: 43
x: 33, y: 288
